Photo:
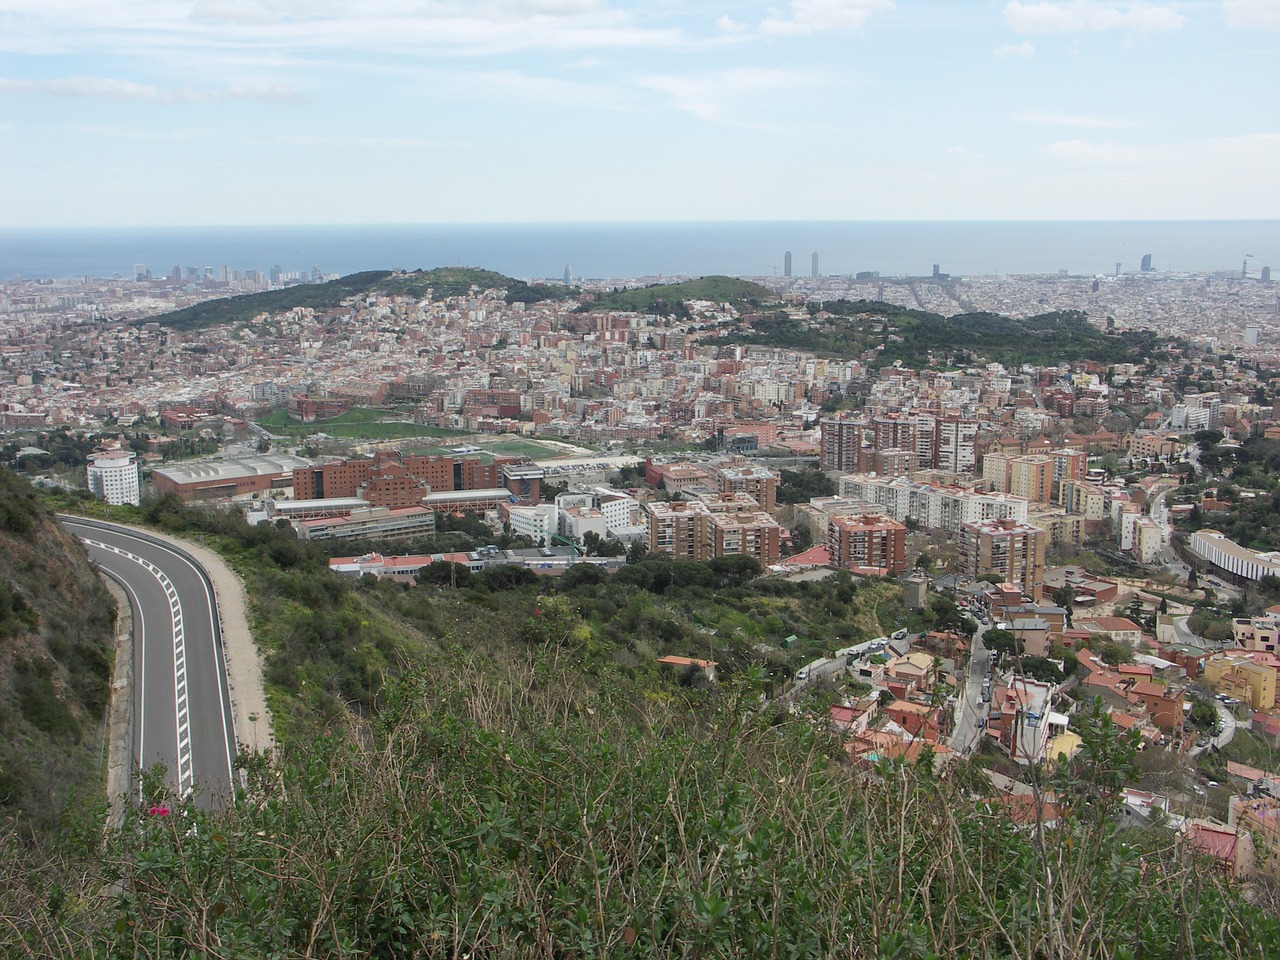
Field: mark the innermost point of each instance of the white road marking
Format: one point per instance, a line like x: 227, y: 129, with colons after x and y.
x: 182, y: 709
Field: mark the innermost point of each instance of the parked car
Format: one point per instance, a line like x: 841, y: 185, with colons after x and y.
x: 982, y: 722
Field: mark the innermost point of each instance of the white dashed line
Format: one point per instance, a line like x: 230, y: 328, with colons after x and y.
x: 182, y: 709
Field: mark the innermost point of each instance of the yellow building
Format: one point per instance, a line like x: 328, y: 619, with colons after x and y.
x: 1240, y: 675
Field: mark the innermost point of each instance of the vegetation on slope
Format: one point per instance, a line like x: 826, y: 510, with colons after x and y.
x: 242, y: 309
x: 56, y: 649
x: 503, y: 808
x: 498, y: 768
x: 886, y: 333
x: 668, y: 298
x: 442, y: 282
x: 460, y: 281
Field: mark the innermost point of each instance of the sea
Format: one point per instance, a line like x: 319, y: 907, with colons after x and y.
x: 656, y: 250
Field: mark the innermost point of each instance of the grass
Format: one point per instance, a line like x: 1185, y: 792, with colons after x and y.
x: 1249, y: 748
x: 357, y: 424
x: 522, y: 448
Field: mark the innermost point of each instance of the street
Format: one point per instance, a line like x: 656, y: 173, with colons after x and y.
x: 967, y: 710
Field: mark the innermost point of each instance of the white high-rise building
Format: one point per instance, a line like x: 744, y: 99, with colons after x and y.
x: 113, y: 476
x: 539, y: 522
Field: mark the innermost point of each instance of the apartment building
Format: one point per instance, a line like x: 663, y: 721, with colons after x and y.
x: 1031, y: 477
x: 1008, y: 549
x: 842, y: 442
x: 113, y: 476
x: 866, y: 543
x: 753, y: 534
x: 759, y: 483
x: 932, y: 507
x: 692, y: 530
x: 671, y: 526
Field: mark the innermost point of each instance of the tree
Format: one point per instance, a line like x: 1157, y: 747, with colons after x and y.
x: 1003, y: 643
x: 1041, y: 669
x: 582, y: 575
x: 1111, y: 652
x: 1090, y: 783
x: 735, y: 569
x: 507, y: 576
x: 1203, y: 715
x: 444, y: 573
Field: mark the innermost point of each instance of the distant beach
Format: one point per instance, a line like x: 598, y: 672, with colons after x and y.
x: 629, y: 250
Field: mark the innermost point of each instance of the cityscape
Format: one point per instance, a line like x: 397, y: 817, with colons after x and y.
x: 549, y: 479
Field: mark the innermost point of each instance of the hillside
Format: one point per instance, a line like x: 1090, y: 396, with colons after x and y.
x: 458, y: 282
x: 495, y: 765
x: 852, y: 329
x: 664, y: 298
x: 442, y: 282
x: 56, y: 649
x: 318, y: 296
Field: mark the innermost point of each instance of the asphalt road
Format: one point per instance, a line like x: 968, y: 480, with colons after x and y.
x: 966, y: 732
x: 182, y: 706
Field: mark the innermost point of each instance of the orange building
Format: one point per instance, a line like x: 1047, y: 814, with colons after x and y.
x: 869, y: 542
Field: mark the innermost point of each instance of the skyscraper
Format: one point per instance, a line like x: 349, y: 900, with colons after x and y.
x: 814, y: 270
x: 568, y: 273
x: 1146, y: 263
x: 786, y: 264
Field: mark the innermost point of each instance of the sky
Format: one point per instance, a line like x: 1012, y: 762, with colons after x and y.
x: 229, y: 112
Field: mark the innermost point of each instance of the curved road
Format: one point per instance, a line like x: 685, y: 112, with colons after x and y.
x: 181, y: 703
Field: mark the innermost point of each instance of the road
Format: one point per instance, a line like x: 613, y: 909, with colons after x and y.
x: 1227, y: 721
x: 181, y: 702
x: 967, y: 711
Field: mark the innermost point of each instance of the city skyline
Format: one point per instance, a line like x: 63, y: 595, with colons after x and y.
x: 255, y: 112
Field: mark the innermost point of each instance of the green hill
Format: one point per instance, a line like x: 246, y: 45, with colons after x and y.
x: 459, y: 281
x: 853, y: 329
x: 318, y: 296
x: 664, y: 298
x: 442, y: 282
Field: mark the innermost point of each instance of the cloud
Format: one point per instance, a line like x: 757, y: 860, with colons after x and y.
x: 712, y: 96
x: 1252, y: 14
x: 813, y: 16
x: 1084, y: 151
x: 1258, y: 151
x: 117, y: 132
x: 1086, y: 16
x: 101, y: 87
x: 1077, y: 120
x: 514, y: 85
x: 727, y: 24
x: 1023, y: 51
x: 105, y: 88
x: 307, y: 140
x: 377, y: 28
